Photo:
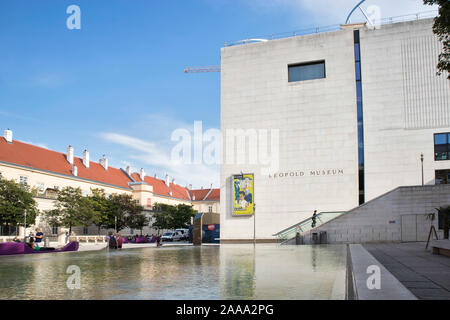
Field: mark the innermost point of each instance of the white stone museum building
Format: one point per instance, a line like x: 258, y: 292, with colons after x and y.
x: 355, y: 112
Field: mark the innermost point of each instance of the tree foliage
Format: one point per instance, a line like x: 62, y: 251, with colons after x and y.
x: 99, y: 205
x: 172, y: 217
x: 14, y: 200
x: 441, y: 28
x: 72, y: 209
x: 122, y: 210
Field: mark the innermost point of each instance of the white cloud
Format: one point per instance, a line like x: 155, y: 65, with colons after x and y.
x: 330, y: 12
x: 156, y: 155
x: 42, y: 145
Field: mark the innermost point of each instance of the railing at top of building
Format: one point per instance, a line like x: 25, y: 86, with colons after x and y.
x: 335, y: 27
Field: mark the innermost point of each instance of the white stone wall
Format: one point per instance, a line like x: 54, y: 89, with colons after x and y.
x: 405, y: 103
x: 380, y: 220
x: 316, y: 120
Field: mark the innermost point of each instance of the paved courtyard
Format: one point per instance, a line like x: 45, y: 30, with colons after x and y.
x: 426, y: 275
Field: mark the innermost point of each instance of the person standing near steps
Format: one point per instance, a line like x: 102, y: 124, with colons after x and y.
x: 313, y: 218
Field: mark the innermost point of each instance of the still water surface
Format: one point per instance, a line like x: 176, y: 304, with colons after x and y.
x: 207, y: 272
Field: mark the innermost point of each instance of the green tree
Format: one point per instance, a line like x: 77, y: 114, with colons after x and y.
x: 161, y: 215
x: 138, y: 221
x: 14, y: 200
x: 72, y: 209
x: 99, y: 205
x: 121, y: 210
x: 441, y: 28
x: 182, y: 216
x: 173, y: 217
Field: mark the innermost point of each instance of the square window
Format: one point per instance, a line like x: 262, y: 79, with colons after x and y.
x: 440, y: 138
x: 441, y: 146
x: 306, y: 71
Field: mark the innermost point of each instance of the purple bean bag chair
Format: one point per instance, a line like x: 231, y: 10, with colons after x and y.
x: 141, y: 240
x: 10, y: 248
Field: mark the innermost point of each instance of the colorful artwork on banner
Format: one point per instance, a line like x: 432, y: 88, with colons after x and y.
x: 243, y: 194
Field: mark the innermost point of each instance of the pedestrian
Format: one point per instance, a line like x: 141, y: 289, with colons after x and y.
x: 38, y: 237
x: 112, y: 241
x: 119, y: 241
x: 313, y: 224
x: 158, y: 241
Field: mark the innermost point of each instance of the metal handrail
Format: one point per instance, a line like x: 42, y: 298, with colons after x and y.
x: 306, y: 220
x: 335, y: 27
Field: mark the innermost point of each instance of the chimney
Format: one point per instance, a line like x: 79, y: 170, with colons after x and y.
x: 211, y: 186
x: 104, y: 162
x: 128, y: 171
x: 170, y: 193
x: 201, y: 188
x: 70, y: 155
x: 142, y: 174
x: 156, y: 176
x: 190, y: 186
x: 75, y: 171
x: 7, y: 134
x: 173, y: 180
x: 167, y: 180
x: 86, y: 158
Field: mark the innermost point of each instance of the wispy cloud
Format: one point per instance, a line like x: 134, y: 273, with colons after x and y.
x: 42, y: 145
x: 327, y: 12
x: 154, y: 153
x: 46, y: 80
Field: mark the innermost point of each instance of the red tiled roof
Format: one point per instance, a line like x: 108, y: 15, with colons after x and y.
x: 160, y: 187
x: 214, y: 195
x: 200, y: 194
x: 27, y: 155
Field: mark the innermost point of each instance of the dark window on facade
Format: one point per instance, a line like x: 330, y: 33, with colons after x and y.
x: 306, y: 71
x: 441, y: 146
x: 85, y: 231
x: 359, y: 110
x: 54, y: 230
x: 442, y: 176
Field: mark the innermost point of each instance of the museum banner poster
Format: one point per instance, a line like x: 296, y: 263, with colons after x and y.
x: 243, y: 196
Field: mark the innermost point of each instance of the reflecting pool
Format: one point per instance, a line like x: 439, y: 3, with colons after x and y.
x: 206, y: 272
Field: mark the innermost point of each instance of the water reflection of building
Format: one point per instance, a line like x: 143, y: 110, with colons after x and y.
x: 270, y: 272
x: 46, y: 171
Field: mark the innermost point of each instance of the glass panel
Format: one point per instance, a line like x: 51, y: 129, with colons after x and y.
x: 358, y: 71
x: 307, y: 72
x: 440, y: 138
x: 358, y: 91
x: 357, y: 57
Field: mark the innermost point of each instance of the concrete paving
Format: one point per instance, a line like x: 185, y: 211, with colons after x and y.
x: 426, y: 275
x: 390, y: 288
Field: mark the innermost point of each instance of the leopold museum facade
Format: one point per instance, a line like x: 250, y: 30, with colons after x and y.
x: 353, y: 114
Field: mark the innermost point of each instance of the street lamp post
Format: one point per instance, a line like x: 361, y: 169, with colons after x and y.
x: 25, y: 227
x: 421, y: 160
x: 254, y: 224
x: 115, y: 223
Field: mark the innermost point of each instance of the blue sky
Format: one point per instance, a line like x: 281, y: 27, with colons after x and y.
x: 117, y: 85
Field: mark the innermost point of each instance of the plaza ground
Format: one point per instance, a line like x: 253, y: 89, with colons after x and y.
x: 426, y: 275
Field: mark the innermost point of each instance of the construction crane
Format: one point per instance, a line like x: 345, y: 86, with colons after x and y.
x: 202, y: 69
